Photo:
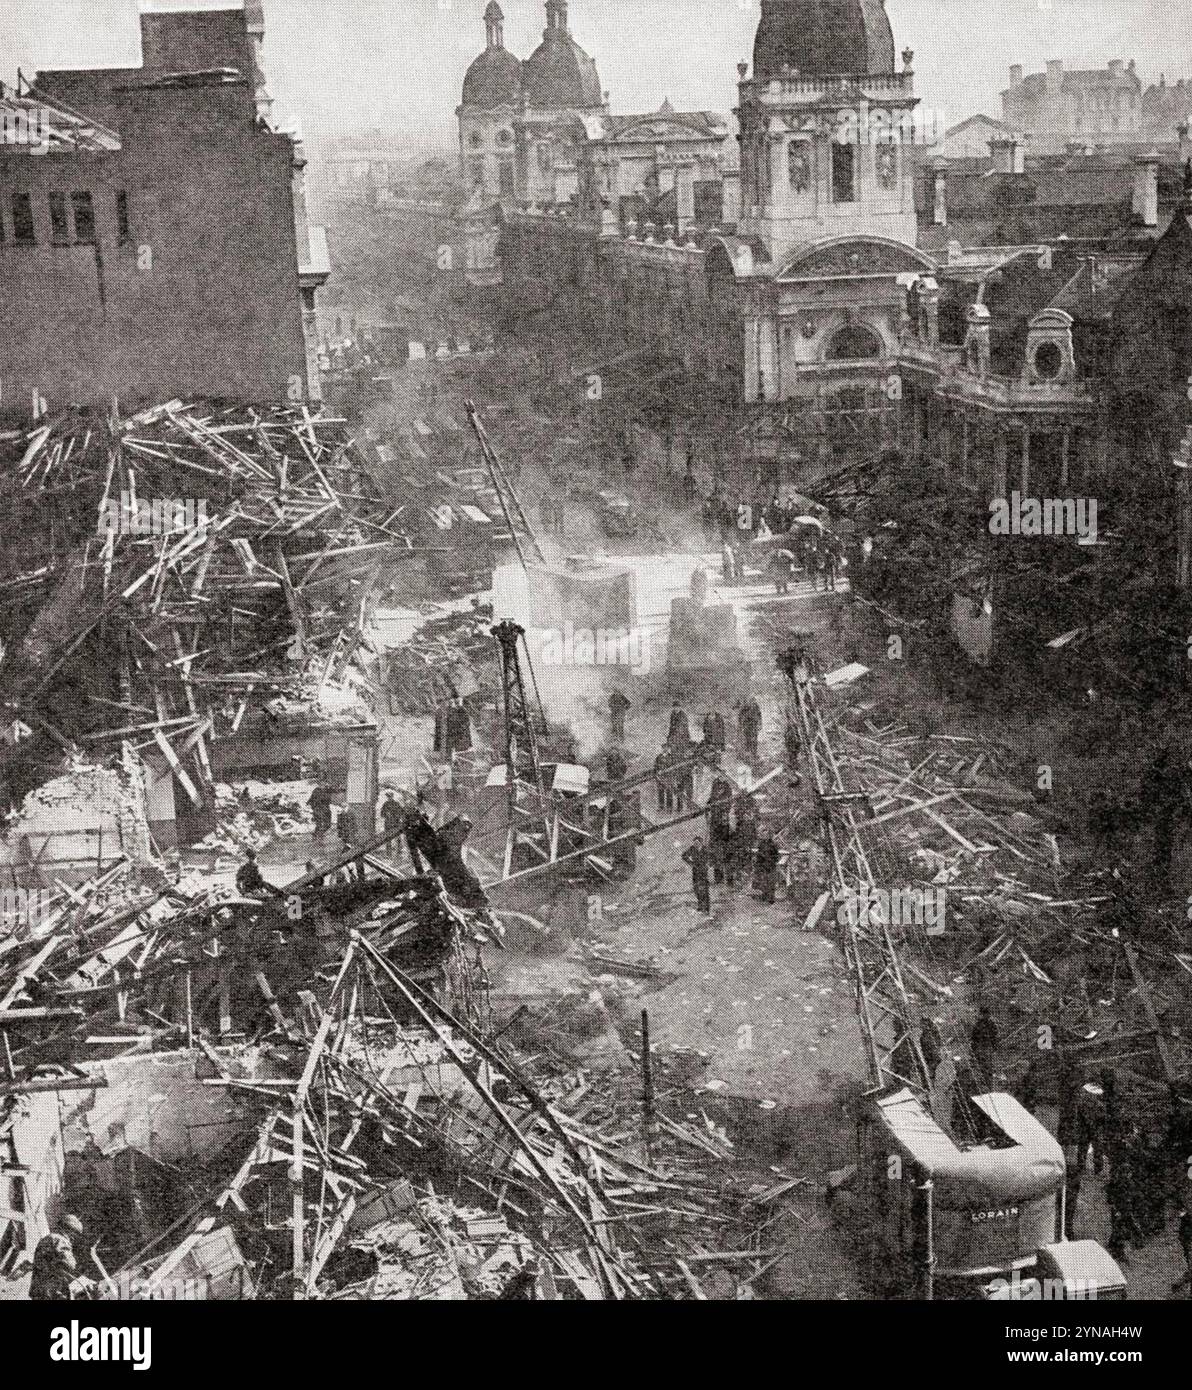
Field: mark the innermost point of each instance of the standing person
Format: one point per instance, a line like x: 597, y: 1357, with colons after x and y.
x: 1120, y: 1196
x: 55, y: 1264
x: 728, y: 563
x: 684, y: 775
x: 348, y: 828
x: 615, y: 766
x: 697, y: 857
x: 782, y: 567
x: 393, y: 815
x: 765, y: 867
x: 983, y: 1043
x: 714, y: 735
x: 749, y: 726
x: 742, y: 555
x: 719, y: 810
x: 679, y: 732
x: 931, y: 1044
x: 618, y: 706
x: 662, y: 779
x: 740, y: 852
x: 320, y: 806
x: 792, y: 743
x: 458, y: 729
x: 832, y: 561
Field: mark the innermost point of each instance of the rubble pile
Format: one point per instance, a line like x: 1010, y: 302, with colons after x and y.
x: 447, y: 656
x: 1024, y: 933
x: 165, y: 574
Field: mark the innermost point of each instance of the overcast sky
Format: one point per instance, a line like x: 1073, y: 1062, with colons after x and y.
x: 344, y: 65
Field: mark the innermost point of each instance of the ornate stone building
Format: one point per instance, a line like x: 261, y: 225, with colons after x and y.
x: 859, y: 298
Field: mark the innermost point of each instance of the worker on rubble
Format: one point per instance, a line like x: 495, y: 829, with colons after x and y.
x: 249, y: 881
x: 393, y: 814
x: 698, y: 858
x: 56, y: 1275
x: 422, y: 841
x: 679, y: 732
x: 619, y: 705
x: 348, y: 828
x: 320, y: 806
x: 749, y: 727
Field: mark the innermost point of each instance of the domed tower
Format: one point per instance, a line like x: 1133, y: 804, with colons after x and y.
x: 559, y: 75
x: 823, y: 37
x: 826, y: 117
x: 491, y: 100
x: 561, y: 95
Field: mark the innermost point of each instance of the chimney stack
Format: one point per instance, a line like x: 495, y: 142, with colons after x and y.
x: 1009, y: 155
x: 685, y: 195
x: 940, y: 193
x: 1016, y: 75
x: 1146, y: 188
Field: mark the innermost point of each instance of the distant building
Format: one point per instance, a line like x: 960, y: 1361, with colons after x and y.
x: 1054, y: 107
x: 163, y: 247
x: 971, y: 139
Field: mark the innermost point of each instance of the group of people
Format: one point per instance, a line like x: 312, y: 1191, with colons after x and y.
x: 735, y: 851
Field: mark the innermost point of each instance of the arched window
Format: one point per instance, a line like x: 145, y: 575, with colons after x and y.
x: 855, y: 342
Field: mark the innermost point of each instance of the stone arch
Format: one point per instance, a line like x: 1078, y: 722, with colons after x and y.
x: 854, y: 341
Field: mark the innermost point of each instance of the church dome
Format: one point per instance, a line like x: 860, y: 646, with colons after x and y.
x: 823, y: 38
x: 494, y: 79
x: 559, y: 73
